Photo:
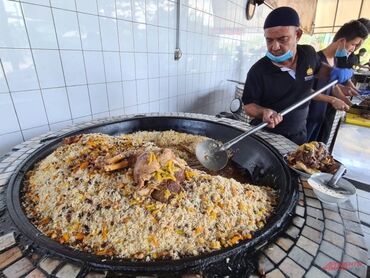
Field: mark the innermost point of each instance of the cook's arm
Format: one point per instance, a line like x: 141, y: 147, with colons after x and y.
x: 337, y: 103
x: 265, y: 114
x: 326, y: 72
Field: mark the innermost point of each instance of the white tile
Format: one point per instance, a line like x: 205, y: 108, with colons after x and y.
x: 48, y: 67
x: 109, y: 35
x: 90, y: 32
x: 126, y: 37
x: 142, y: 91
x: 3, y: 86
x: 123, y: 8
x: 183, y: 17
x: 152, y: 12
x: 117, y: 112
x: 115, y: 95
x: 73, y: 66
x: 153, y: 65
x: 128, y: 66
x: 163, y: 40
x: 87, y: 6
x: 99, y: 98
x: 9, y: 121
x: 138, y: 11
x: 107, y: 8
x: 68, y: 33
x: 154, y: 106
x: 197, y: 43
x: 172, y: 106
x: 94, y: 66
x: 154, y: 89
x: 131, y: 110
x: 172, y: 11
x: 30, y: 109
x: 56, y: 104
x: 152, y: 38
x: 39, y: 2
x: 40, y: 26
x: 141, y: 65
x: 181, y: 85
x: 18, y: 65
x: 12, y: 28
x: 163, y: 87
x: 172, y: 65
x: 171, y: 40
x: 79, y: 101
x: 140, y: 37
x: 143, y: 108
x: 163, y: 65
x: 183, y: 41
x: 191, y: 19
x: 112, y: 66
x: 8, y: 141
x: 181, y: 107
x: 198, y: 22
x: 163, y: 105
x: 82, y: 119
x: 36, y: 131
x: 129, y: 93
x: 60, y: 125
x: 163, y: 13
x: 181, y: 66
x: 64, y: 4
x: 172, y: 87
x: 100, y: 115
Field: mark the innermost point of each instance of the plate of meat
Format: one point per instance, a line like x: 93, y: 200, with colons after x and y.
x: 311, y: 158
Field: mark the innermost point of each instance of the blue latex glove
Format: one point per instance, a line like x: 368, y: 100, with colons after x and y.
x: 342, y: 75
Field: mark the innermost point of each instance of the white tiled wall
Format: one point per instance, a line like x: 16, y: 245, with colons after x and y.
x: 67, y: 61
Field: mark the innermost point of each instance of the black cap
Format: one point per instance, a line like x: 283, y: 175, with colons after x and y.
x: 283, y: 16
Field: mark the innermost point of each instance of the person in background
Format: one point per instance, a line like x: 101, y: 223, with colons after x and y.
x: 348, y: 37
x: 285, y: 76
x: 347, y: 62
x: 366, y: 65
x: 354, y: 59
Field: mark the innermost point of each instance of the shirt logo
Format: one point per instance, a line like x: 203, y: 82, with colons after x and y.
x: 309, y: 71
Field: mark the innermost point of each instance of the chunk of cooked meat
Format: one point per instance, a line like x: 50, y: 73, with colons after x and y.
x: 166, y: 155
x: 145, y: 166
x: 166, y: 190
x: 312, y: 157
x: 72, y: 139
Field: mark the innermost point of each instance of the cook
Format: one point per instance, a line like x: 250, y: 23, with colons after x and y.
x: 345, y: 41
x: 284, y: 76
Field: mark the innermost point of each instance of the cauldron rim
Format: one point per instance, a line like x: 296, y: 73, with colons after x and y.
x: 55, y: 249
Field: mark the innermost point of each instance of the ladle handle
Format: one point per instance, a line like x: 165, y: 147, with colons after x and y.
x: 284, y: 112
x: 335, y: 178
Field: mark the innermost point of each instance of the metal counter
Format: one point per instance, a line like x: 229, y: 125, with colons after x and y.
x: 352, y: 148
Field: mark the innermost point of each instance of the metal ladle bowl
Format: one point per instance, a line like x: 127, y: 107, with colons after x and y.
x: 213, y: 155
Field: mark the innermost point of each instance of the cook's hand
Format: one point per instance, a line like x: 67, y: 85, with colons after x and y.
x: 339, y: 104
x: 348, y: 91
x: 271, y: 117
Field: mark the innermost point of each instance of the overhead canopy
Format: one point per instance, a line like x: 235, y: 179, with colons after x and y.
x: 325, y: 16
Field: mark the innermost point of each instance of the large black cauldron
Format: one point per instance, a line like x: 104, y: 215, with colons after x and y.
x: 260, y: 160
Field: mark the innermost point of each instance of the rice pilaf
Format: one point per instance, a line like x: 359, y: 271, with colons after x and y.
x: 74, y: 197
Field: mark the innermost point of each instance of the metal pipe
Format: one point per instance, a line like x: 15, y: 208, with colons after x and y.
x: 178, y: 52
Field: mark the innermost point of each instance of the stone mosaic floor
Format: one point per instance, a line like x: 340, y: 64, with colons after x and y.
x: 322, y: 240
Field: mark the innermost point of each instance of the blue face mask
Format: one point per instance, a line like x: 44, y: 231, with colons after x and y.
x: 341, y: 53
x: 279, y: 59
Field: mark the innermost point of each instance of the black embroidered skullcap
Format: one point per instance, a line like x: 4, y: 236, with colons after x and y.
x: 283, y: 16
